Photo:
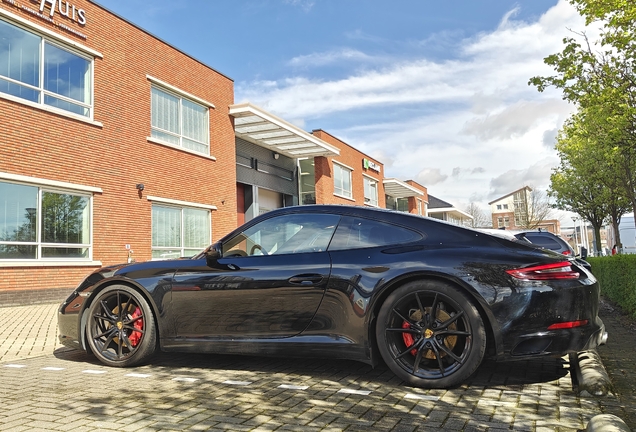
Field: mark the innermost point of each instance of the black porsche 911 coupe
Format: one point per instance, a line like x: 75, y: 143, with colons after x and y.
x: 429, y: 298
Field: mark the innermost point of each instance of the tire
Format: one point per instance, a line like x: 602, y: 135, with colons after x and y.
x: 425, y: 352
x: 121, y: 327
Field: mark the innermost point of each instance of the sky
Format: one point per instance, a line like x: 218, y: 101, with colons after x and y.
x: 436, y: 90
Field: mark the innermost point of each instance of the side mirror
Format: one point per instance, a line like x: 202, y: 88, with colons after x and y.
x: 214, y: 252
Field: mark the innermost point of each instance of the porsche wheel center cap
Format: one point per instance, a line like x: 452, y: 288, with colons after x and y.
x: 120, y: 325
x: 428, y: 333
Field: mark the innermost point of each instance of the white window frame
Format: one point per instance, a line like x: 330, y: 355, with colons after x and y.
x: 343, y: 193
x: 179, y: 205
x: 181, y: 95
x: 65, y: 44
x: 44, y: 185
x: 370, y: 182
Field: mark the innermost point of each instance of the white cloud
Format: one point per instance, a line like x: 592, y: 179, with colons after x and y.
x: 515, y: 119
x: 533, y: 176
x: 469, y: 125
x: 330, y: 57
x: 430, y: 176
x: 305, y: 5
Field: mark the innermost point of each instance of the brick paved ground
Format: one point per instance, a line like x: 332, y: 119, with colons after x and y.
x: 28, y: 331
x: 46, y: 387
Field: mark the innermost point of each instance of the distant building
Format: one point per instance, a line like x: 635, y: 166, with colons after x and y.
x: 445, y: 211
x: 513, y: 211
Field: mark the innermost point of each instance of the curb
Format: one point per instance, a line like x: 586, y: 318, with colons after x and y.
x: 591, y: 376
x: 606, y: 423
x: 593, y: 380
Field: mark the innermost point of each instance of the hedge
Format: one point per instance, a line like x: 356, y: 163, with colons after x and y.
x: 617, y: 277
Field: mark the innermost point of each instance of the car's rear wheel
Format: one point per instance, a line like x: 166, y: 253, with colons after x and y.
x: 430, y: 334
x: 121, y: 328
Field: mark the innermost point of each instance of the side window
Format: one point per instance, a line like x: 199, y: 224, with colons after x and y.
x: 288, y: 234
x: 355, y: 233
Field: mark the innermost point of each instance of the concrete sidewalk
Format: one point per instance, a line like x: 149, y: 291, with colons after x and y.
x: 28, y: 331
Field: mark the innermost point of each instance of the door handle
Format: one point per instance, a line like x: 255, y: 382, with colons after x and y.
x: 306, y: 280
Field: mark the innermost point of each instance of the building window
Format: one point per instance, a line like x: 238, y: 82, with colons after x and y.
x: 498, y: 206
x: 36, y: 223
x: 505, y: 206
x: 370, y: 191
x: 342, y: 181
x: 500, y: 222
x: 307, y: 181
x: 179, y: 232
x: 506, y: 221
x: 399, y: 204
x: 35, y: 69
x: 179, y: 121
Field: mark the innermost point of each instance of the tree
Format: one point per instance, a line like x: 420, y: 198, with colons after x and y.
x: 585, y: 182
x: 600, y: 78
x: 537, y: 209
x: 480, y: 218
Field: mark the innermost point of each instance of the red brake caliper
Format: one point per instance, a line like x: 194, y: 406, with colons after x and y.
x: 408, y: 338
x: 135, y: 336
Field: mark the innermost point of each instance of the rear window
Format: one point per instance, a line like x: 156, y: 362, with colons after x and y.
x: 356, y: 233
x: 544, y: 241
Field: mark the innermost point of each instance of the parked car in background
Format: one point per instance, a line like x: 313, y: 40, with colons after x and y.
x: 430, y: 299
x: 547, y: 240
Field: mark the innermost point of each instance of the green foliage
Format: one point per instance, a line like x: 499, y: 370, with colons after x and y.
x: 617, y: 277
x: 597, y: 145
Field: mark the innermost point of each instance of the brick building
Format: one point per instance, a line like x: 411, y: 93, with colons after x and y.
x: 113, y: 145
x: 115, y: 149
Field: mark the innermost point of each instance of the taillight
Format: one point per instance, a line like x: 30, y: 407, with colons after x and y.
x: 567, y: 252
x: 568, y: 325
x: 560, y: 270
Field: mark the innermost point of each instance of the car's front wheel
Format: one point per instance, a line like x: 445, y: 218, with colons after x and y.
x: 430, y: 334
x: 121, y: 328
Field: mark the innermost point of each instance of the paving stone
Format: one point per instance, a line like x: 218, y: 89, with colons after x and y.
x: 527, y: 395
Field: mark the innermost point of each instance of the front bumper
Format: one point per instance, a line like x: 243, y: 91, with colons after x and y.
x: 69, y: 322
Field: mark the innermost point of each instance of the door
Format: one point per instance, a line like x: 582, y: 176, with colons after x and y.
x: 268, y: 284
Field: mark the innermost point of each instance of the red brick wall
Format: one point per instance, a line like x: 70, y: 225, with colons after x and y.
x: 352, y: 158
x: 414, y: 200
x: 117, y: 156
x: 511, y: 219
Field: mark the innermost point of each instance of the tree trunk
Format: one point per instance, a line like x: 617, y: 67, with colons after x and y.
x: 597, y: 239
x: 617, y: 234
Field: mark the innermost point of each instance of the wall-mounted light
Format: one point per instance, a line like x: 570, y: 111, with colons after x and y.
x: 276, y: 155
x: 140, y: 186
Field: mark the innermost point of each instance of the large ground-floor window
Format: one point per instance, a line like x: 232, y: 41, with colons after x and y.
x: 38, y: 223
x: 179, y: 231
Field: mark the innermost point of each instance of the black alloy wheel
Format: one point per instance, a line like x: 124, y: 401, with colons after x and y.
x: 121, y: 329
x: 430, y: 334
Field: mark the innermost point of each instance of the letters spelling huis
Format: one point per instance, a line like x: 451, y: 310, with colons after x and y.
x: 65, y: 9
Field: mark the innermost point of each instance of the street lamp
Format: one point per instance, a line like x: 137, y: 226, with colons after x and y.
x: 574, y: 219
